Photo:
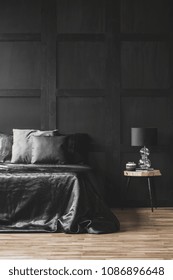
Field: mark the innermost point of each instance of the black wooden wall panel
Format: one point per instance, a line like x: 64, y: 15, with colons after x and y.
x: 81, y: 65
x: 96, y: 66
x: 145, y: 65
x: 145, y: 16
x: 20, y: 65
x: 19, y: 112
x: 18, y: 16
x: 80, y: 16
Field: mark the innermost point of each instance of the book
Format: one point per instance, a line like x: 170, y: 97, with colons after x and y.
x: 140, y: 169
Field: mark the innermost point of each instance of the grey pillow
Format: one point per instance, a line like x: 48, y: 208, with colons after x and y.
x: 22, y: 144
x: 6, y: 142
x: 48, y: 150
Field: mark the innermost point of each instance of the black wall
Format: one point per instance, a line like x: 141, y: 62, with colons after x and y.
x: 95, y: 66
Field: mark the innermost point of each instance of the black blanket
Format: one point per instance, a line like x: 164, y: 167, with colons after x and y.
x: 52, y: 199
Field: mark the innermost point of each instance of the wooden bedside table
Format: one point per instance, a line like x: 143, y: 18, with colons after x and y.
x: 149, y: 175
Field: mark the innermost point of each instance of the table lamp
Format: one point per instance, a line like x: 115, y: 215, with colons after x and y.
x: 144, y: 136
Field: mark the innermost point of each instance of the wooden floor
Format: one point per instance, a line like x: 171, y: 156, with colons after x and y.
x: 143, y: 235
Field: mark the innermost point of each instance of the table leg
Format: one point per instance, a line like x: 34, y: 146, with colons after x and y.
x: 150, y: 193
x: 126, y: 190
x: 154, y: 192
x: 128, y: 183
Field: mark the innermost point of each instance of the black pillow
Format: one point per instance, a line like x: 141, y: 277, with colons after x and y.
x: 78, y: 148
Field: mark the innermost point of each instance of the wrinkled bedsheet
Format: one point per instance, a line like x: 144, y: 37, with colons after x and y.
x: 52, y: 199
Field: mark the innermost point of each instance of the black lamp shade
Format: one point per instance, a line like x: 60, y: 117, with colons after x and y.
x: 143, y: 136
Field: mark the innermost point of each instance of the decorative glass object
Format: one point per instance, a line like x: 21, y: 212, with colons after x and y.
x: 144, y: 162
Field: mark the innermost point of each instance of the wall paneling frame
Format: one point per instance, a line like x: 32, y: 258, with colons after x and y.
x: 95, y: 66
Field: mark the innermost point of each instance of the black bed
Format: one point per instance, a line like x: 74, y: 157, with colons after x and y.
x: 52, y: 198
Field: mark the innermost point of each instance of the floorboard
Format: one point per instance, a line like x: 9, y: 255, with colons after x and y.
x: 143, y: 235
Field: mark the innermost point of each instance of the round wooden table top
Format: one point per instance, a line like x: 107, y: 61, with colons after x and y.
x: 143, y: 173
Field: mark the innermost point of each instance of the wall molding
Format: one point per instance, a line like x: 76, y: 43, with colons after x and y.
x: 90, y: 37
x: 145, y: 37
x: 145, y: 92
x: 15, y: 37
x: 80, y: 93
x: 20, y: 93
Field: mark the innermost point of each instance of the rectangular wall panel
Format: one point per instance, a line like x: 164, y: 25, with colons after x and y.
x: 145, y: 65
x: 81, y: 65
x: 19, y: 112
x: 20, y: 65
x: 80, y: 16
x: 20, y: 16
x: 145, y: 16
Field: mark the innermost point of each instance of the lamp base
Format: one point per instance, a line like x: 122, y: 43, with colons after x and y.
x: 144, y: 162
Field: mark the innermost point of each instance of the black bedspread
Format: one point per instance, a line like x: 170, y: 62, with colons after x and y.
x: 52, y: 199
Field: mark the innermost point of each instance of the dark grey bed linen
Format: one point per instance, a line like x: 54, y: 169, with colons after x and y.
x: 52, y: 198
